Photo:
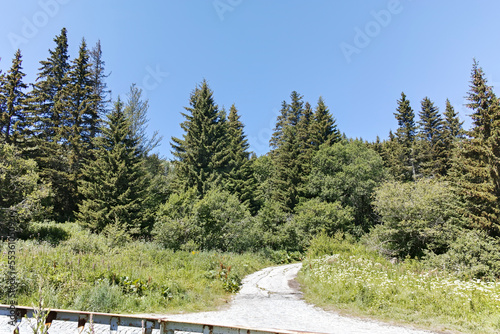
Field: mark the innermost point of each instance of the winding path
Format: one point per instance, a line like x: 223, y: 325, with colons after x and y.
x: 268, y: 299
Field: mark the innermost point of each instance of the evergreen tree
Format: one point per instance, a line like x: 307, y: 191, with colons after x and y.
x: 136, y: 109
x: 48, y: 105
x: 14, y: 123
x: 277, y: 136
x: 323, y: 129
x: 431, y: 155
x: 114, y: 184
x: 406, y: 134
x: 286, y: 155
x: 452, y: 132
x: 100, y: 88
x: 475, y: 170
x: 202, y: 153
x: 240, y: 180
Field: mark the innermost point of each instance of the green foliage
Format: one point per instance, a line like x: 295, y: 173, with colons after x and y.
x: 347, y: 172
x: 415, y: 217
x: 22, y: 193
x: 315, y: 216
x: 114, y: 185
x: 471, y: 254
x: 202, y: 154
x: 133, y: 277
x: 406, y: 135
x: 351, y: 278
x: 273, y: 224
x: 218, y: 221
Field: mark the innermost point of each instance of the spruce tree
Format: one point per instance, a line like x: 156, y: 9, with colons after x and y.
x: 475, y: 170
x: 114, y: 184
x: 287, y: 154
x: 202, y: 154
x: 431, y: 155
x: 406, y: 134
x: 452, y: 132
x: 136, y: 110
x: 100, y: 88
x: 14, y: 118
x: 323, y: 129
x: 240, y: 180
x: 48, y: 105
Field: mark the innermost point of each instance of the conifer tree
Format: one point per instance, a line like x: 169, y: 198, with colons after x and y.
x: 286, y: 154
x: 324, y: 130
x: 114, y: 184
x: 452, y: 132
x: 202, y: 154
x: 475, y: 170
x: 240, y: 179
x: 14, y: 118
x: 136, y: 110
x: 100, y: 88
x: 48, y: 105
x: 405, y: 135
x: 431, y: 157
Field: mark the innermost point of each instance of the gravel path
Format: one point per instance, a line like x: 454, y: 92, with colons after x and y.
x: 268, y: 299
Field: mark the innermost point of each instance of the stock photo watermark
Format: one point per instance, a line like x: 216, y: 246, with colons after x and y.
x: 31, y: 25
x: 153, y: 79
x: 12, y: 275
x: 223, y: 6
x: 365, y: 35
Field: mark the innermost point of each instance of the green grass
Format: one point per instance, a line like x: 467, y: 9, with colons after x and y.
x: 347, y: 277
x: 89, y: 272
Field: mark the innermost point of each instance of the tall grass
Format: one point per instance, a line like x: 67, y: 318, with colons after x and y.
x: 346, y: 276
x: 90, y: 272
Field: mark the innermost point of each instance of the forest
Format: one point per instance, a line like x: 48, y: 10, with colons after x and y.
x: 430, y: 191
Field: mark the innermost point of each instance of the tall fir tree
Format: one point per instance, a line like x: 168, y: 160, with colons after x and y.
x: 324, y: 128
x: 406, y: 134
x: 136, y: 109
x: 430, y: 144
x: 452, y: 132
x: 14, y: 122
x: 202, y: 154
x: 48, y: 106
x: 240, y: 179
x: 100, y: 88
x: 114, y: 184
x: 476, y: 164
x: 286, y: 155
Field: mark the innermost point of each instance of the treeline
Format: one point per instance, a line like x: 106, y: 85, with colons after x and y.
x: 431, y: 190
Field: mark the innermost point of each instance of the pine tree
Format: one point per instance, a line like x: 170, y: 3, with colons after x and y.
x: 100, y: 88
x: 14, y: 119
x: 240, y: 179
x: 431, y: 155
x: 286, y: 154
x: 324, y: 130
x: 136, y: 109
x: 47, y: 103
x: 452, y: 132
x: 202, y: 154
x: 114, y: 184
x: 475, y: 170
x: 406, y: 134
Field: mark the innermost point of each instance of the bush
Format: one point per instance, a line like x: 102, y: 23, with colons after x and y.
x: 273, y: 224
x: 415, y: 216
x: 315, y: 216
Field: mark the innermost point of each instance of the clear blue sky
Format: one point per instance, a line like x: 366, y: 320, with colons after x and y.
x: 358, y: 55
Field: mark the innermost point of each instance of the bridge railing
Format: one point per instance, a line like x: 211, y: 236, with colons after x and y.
x: 146, y: 324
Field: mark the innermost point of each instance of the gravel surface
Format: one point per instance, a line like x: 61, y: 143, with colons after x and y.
x: 268, y: 299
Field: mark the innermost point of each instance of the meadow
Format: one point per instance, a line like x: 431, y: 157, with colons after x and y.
x: 347, y: 277
x: 70, y: 268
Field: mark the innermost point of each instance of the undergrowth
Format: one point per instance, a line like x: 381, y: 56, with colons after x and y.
x: 90, y: 272
x: 346, y: 276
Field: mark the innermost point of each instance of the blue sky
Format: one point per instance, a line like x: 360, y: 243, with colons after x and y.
x: 358, y: 55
